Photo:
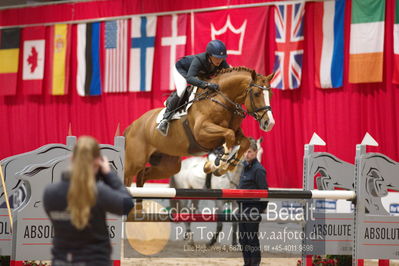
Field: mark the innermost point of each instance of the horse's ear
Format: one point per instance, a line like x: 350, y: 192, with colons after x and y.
x: 269, y: 78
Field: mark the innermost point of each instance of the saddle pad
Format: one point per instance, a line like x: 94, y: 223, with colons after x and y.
x: 182, y: 112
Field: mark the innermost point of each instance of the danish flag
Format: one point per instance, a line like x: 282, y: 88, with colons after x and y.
x: 289, y: 42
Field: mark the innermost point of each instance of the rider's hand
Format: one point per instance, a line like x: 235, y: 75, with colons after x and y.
x: 213, y: 86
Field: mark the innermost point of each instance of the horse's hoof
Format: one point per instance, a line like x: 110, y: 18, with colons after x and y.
x: 136, y: 213
x: 207, y: 168
x: 138, y: 207
x: 217, y: 173
x: 220, y: 172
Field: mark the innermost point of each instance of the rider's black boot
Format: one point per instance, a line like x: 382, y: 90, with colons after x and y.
x: 171, y: 104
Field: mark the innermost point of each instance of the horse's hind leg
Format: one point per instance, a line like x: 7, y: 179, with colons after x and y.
x: 165, y: 167
x: 136, y: 157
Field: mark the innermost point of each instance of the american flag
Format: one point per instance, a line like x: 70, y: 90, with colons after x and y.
x: 289, y: 42
x: 116, y: 51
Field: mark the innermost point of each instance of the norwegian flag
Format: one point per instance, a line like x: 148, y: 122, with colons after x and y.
x: 289, y: 43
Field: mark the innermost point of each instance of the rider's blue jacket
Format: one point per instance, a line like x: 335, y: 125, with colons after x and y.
x: 196, y: 68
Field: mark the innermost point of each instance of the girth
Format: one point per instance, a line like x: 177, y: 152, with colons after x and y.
x: 194, y: 147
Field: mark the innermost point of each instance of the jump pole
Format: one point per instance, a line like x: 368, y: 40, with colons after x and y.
x: 237, y: 194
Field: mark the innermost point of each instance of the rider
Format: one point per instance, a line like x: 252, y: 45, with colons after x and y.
x: 193, y: 70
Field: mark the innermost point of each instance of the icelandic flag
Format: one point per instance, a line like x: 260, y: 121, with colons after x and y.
x: 289, y: 42
x: 329, y: 43
x: 142, y: 52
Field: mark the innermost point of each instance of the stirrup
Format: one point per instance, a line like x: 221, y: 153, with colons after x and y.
x: 163, y: 127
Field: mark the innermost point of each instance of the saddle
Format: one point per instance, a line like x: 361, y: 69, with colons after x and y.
x: 194, y: 147
x: 188, y: 96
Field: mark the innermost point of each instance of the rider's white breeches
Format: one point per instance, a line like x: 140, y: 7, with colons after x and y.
x: 180, y: 82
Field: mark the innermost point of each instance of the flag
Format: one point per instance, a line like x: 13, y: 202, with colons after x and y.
x: 396, y: 44
x: 329, y: 43
x: 170, y: 42
x: 289, y: 43
x: 88, y: 81
x: 116, y: 52
x: 33, y: 43
x: 366, y: 41
x: 234, y: 28
x: 9, y: 57
x: 142, y: 52
x: 57, y: 65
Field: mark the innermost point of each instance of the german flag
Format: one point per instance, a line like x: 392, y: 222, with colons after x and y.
x: 9, y: 57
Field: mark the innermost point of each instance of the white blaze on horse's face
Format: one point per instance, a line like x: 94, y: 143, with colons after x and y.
x: 267, y: 122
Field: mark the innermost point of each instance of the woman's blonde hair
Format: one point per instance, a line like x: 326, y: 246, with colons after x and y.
x: 82, y: 189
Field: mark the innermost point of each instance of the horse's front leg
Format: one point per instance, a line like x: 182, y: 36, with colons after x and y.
x: 210, y: 132
x: 243, y: 141
x: 234, y: 159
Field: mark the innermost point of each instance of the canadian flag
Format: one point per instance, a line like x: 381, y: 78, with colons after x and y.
x: 33, y: 48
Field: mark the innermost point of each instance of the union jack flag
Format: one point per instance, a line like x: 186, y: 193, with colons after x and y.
x: 289, y: 43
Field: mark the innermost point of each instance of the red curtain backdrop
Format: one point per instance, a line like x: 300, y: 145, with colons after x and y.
x: 340, y: 116
x: 250, y: 23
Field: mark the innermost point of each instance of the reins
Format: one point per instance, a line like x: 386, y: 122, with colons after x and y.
x: 236, y: 108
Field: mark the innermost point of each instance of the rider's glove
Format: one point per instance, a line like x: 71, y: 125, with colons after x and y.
x: 213, y: 86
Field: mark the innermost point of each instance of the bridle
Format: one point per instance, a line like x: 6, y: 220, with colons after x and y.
x: 255, y: 110
x: 237, y: 108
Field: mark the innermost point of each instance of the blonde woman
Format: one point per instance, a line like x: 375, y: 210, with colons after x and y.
x: 77, y: 207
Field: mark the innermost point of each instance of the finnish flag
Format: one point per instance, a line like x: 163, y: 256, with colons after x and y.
x: 142, y: 52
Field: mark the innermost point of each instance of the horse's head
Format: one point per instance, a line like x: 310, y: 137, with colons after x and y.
x: 257, y: 101
x: 241, y: 85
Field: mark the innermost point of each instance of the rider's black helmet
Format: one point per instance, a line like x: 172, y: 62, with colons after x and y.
x: 217, y: 49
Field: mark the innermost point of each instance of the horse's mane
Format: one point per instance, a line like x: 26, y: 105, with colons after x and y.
x: 235, y: 69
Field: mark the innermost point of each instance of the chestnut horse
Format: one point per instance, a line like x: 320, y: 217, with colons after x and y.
x: 213, y: 119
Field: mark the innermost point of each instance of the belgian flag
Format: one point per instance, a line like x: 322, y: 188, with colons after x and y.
x: 9, y: 57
